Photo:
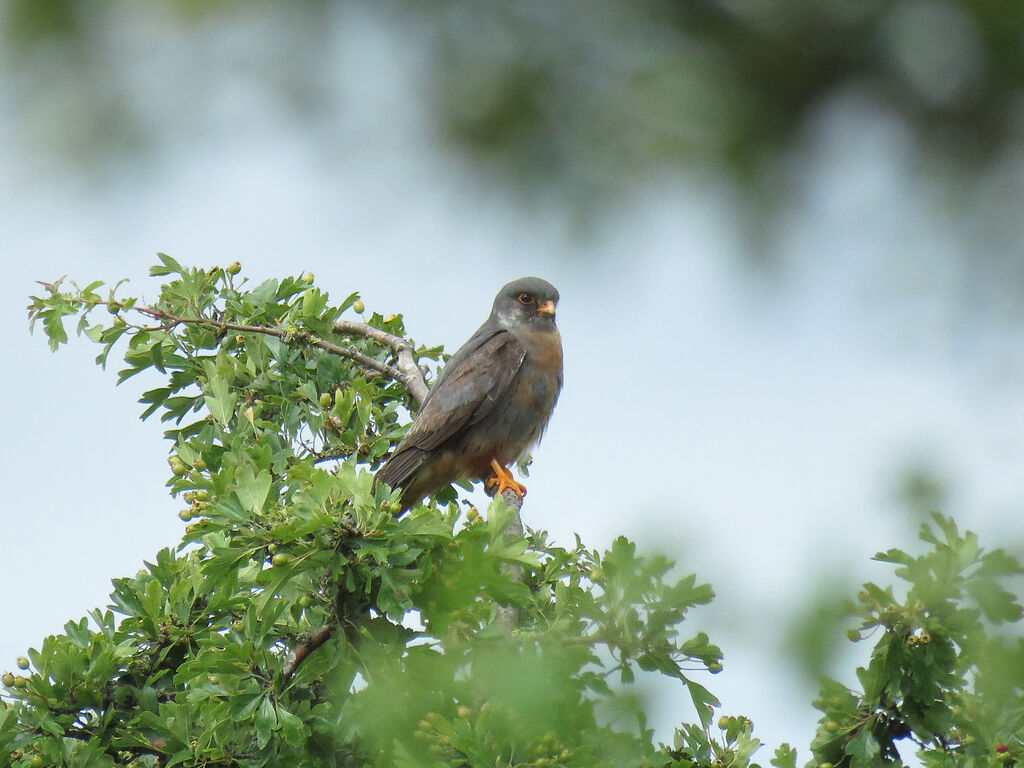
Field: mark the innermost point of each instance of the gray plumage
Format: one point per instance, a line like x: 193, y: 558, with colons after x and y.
x: 493, y: 399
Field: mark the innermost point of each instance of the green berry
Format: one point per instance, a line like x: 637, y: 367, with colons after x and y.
x: 280, y: 559
x: 113, y: 307
x: 234, y: 268
x: 463, y: 711
x: 272, y: 547
x: 715, y: 667
x: 853, y: 635
x: 21, y: 682
x: 22, y: 662
x: 199, y: 464
x: 36, y: 761
x: 326, y: 400
x: 238, y: 625
x: 178, y: 466
x: 7, y: 679
x: 358, y: 306
x: 185, y: 515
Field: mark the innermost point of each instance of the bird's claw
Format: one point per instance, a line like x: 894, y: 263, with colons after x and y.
x: 502, y: 480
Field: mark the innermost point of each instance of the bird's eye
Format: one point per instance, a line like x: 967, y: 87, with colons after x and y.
x: 526, y: 298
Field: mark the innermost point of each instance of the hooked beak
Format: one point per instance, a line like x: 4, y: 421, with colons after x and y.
x: 546, y: 308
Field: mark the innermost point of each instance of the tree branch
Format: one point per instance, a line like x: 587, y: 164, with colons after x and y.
x: 409, y: 373
x: 316, y: 639
x: 507, y: 616
x: 414, y: 384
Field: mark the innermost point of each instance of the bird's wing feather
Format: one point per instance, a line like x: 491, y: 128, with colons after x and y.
x: 467, y: 391
x: 401, y: 466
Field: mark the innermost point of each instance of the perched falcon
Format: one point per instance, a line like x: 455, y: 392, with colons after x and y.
x: 490, y: 403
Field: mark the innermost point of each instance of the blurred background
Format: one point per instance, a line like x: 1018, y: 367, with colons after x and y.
x: 789, y: 238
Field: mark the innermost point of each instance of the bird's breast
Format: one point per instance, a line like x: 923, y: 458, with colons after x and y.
x: 543, y: 350
x: 519, y: 417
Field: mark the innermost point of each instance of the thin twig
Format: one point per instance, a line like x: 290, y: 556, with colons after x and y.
x: 170, y: 320
x: 410, y: 374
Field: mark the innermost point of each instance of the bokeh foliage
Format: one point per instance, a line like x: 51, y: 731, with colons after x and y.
x: 302, y: 621
x: 587, y: 92
x: 574, y: 109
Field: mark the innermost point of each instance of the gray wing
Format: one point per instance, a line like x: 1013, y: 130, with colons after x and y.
x: 467, y: 390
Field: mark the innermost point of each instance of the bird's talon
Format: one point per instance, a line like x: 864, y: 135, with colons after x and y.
x: 501, y: 481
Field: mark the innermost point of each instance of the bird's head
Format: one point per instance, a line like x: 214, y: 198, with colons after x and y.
x: 527, y: 302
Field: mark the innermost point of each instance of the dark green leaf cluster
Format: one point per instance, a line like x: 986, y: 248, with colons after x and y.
x: 946, y: 675
x: 302, y: 621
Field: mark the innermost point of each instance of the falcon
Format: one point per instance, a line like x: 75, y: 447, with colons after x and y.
x: 491, y: 402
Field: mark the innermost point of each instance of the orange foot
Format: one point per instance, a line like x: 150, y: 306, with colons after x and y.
x: 502, y: 480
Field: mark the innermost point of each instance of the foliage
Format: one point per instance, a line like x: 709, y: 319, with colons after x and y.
x: 940, y: 676
x: 588, y: 95
x: 301, y: 621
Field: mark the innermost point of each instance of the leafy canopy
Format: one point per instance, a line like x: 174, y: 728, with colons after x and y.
x: 302, y: 621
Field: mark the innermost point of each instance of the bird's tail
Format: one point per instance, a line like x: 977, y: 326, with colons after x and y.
x: 399, y: 469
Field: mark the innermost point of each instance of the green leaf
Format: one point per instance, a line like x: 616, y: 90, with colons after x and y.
x: 94, y: 332
x: 995, y: 602
x: 242, y: 706
x: 266, y: 722
x: 167, y: 266
x: 703, y: 701
x: 252, y: 488
x: 293, y: 730
x: 785, y: 757
x: 53, y: 325
x: 220, y: 400
x: 660, y: 661
x: 863, y: 749
x: 897, y: 556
